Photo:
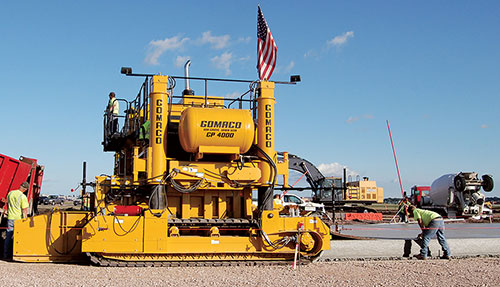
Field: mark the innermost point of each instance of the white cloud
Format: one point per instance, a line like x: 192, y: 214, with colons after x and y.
x: 244, y: 40
x: 244, y: 59
x: 368, y: 116
x: 310, y: 54
x: 284, y: 69
x: 223, y: 62
x: 181, y: 60
x: 216, y: 42
x: 158, y: 47
x: 289, y: 68
x: 353, y: 119
x: 338, y: 41
x: 484, y: 126
x: 233, y: 95
x: 335, y: 169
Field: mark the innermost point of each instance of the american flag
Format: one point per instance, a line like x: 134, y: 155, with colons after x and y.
x: 266, y: 48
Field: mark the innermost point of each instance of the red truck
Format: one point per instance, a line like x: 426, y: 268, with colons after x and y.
x: 420, y: 195
x: 13, y: 172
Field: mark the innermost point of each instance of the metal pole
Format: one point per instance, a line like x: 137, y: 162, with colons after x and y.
x: 206, y: 93
x: 344, y: 185
x: 84, y: 185
x: 84, y: 180
x: 395, y: 159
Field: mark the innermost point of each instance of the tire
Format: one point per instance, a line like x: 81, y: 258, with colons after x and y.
x: 487, y: 182
x: 459, y: 183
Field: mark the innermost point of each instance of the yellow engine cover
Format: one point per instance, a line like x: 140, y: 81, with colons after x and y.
x: 216, y: 131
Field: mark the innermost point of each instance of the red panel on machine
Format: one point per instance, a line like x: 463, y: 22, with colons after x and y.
x: 130, y: 210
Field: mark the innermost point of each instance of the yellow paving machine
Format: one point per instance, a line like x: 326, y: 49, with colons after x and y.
x: 185, y: 169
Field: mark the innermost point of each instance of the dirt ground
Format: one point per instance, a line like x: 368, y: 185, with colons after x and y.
x: 456, y: 272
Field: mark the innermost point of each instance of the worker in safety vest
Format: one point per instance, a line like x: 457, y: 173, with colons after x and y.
x: 277, y: 202
x: 403, y: 209
x: 86, y: 201
x: 431, y: 223
x: 17, y: 207
x: 113, y: 108
x: 144, y: 131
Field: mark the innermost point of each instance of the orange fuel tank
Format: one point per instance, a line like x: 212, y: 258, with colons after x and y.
x: 216, y: 131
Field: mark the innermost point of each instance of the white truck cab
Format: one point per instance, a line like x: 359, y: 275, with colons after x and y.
x: 295, y: 200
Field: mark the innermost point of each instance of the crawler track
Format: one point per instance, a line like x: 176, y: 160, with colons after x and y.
x: 209, y: 259
x: 107, y: 262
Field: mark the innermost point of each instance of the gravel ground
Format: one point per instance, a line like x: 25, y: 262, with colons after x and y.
x: 456, y: 272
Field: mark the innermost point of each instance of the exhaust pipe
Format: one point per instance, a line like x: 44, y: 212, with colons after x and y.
x: 186, y: 73
x: 187, y: 90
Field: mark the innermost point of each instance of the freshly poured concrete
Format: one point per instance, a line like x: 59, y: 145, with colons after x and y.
x: 383, y: 248
x: 464, y: 239
x: 403, y: 231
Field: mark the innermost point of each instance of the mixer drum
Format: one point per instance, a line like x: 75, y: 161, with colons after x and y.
x: 440, y: 190
x: 216, y: 131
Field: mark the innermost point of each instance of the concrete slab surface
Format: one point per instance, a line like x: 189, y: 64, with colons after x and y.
x: 393, y: 248
x: 411, y: 230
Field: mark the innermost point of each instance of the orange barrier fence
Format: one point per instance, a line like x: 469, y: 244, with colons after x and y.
x: 364, y: 216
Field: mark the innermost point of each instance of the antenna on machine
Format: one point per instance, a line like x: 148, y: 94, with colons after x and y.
x: 395, y: 159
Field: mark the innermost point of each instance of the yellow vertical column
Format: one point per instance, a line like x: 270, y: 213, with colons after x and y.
x: 158, y: 133
x: 222, y: 205
x: 265, y: 127
x: 208, y: 210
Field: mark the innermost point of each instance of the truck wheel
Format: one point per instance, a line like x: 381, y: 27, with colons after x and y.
x: 459, y: 182
x: 487, y: 182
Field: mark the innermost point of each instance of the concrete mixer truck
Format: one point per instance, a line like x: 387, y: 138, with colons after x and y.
x: 452, y: 195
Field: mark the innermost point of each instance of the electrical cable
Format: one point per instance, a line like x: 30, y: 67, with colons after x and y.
x: 180, y: 188
x: 156, y: 189
x: 274, y: 173
x: 172, y: 83
x: 213, y: 173
x: 277, y: 244
x: 287, y: 239
x: 134, y: 226
x: 50, y: 239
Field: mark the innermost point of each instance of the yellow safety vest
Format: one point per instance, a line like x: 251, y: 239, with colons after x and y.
x: 114, y: 106
x: 277, y: 204
x: 16, y: 202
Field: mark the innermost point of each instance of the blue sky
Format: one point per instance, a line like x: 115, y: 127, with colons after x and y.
x: 429, y: 67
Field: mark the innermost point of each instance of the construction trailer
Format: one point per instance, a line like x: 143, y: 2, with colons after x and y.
x: 185, y: 168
